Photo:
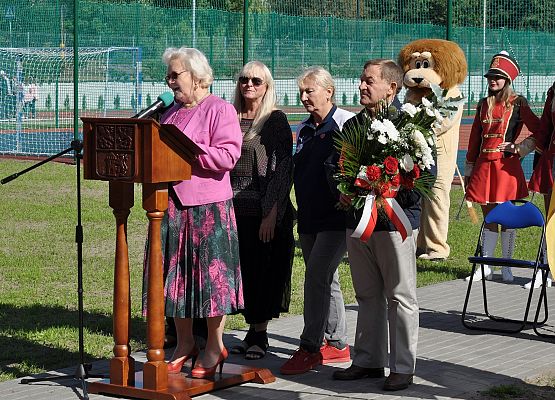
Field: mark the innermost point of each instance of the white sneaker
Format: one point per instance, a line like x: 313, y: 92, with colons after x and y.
x: 478, y: 274
x: 537, y: 283
x: 507, y: 274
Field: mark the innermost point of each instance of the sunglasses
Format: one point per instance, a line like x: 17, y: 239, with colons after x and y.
x: 173, y: 76
x: 255, y: 81
x: 496, y: 77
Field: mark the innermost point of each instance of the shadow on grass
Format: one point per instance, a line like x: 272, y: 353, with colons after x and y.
x: 447, y: 267
x: 24, y: 349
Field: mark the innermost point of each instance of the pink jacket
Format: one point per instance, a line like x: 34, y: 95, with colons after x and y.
x: 213, y: 125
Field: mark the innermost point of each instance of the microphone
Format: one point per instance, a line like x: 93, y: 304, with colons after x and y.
x: 163, y: 101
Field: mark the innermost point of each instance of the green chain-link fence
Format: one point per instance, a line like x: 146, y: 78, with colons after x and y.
x: 121, y: 42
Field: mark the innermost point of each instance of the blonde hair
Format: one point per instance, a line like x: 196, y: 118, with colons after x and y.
x: 193, y: 61
x: 321, y: 77
x: 506, y: 95
x: 269, y: 99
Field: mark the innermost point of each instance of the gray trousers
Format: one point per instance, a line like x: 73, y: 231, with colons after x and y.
x: 324, y: 309
x: 384, y: 279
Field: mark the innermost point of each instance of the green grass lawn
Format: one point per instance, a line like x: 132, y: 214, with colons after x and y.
x: 38, y: 268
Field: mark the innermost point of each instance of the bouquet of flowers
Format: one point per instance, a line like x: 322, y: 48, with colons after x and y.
x: 395, y: 149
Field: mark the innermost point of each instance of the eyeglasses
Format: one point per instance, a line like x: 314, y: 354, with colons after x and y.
x: 173, y: 76
x: 255, y: 81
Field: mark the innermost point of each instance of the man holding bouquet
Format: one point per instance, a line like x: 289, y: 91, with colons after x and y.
x: 383, y: 266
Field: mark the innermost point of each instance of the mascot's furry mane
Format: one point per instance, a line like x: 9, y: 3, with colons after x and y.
x: 449, y: 59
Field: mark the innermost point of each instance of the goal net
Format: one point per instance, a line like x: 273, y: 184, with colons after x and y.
x: 37, y: 93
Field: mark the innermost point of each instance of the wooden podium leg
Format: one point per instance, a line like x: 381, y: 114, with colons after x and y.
x: 122, y: 365
x: 155, y: 370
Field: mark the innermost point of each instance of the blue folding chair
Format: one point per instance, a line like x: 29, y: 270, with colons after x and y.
x: 511, y: 216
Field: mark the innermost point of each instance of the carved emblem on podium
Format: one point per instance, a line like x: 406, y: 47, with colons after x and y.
x: 115, y: 151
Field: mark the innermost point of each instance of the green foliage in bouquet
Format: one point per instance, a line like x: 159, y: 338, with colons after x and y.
x: 392, y: 149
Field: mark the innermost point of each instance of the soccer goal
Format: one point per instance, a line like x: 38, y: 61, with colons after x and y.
x: 37, y: 93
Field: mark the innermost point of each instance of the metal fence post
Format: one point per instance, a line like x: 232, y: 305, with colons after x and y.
x: 329, y: 44
x: 245, y: 31
x: 469, y: 63
x: 75, y: 70
x: 449, y: 30
x: 273, y: 39
x: 528, y: 69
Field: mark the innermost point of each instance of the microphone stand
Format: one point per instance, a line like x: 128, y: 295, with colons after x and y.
x: 82, y: 371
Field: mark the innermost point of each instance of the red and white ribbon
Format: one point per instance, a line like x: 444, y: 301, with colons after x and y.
x: 369, y: 218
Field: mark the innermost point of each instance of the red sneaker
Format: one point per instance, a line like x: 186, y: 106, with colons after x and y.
x: 300, y: 362
x: 331, y: 354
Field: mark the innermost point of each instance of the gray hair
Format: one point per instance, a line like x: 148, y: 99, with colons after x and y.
x: 194, y: 61
x: 321, y: 76
x: 390, y: 71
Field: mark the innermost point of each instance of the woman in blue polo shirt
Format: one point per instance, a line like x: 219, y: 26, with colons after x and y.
x: 321, y: 226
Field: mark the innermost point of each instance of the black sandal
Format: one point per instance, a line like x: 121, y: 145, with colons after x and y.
x: 259, y: 346
x: 245, y: 344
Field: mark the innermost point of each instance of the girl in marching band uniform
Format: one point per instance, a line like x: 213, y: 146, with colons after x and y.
x: 542, y: 177
x: 493, y: 171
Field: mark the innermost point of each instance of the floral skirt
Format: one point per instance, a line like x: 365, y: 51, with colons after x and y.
x: 496, y: 181
x: 200, y: 250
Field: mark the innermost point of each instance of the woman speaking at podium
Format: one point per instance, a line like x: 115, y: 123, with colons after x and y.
x: 199, y: 233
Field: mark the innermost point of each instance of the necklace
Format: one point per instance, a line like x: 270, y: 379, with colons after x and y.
x: 183, y: 114
x: 245, y: 115
x: 196, y: 102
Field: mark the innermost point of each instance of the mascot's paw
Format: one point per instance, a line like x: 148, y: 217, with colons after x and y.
x: 431, y: 257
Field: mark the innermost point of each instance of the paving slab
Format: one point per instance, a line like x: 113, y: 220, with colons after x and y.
x: 453, y: 362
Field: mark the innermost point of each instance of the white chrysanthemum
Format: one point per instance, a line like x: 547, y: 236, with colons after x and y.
x: 409, y: 108
x: 391, y: 130
x: 406, y: 163
x: 419, y: 138
x: 426, y: 103
x: 438, y: 115
x: 378, y: 126
x: 427, y: 157
x: 428, y: 161
x: 430, y: 112
x: 383, y: 130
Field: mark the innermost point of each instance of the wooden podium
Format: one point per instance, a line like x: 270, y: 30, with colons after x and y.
x: 124, y: 152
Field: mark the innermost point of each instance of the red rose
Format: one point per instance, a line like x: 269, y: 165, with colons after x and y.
x: 373, y: 172
x: 391, y: 165
x: 384, y: 188
x: 415, y: 173
x: 395, y: 180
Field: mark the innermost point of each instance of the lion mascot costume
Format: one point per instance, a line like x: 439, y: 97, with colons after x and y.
x: 440, y: 62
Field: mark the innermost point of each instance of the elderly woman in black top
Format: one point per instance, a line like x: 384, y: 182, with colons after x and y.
x: 261, y: 182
